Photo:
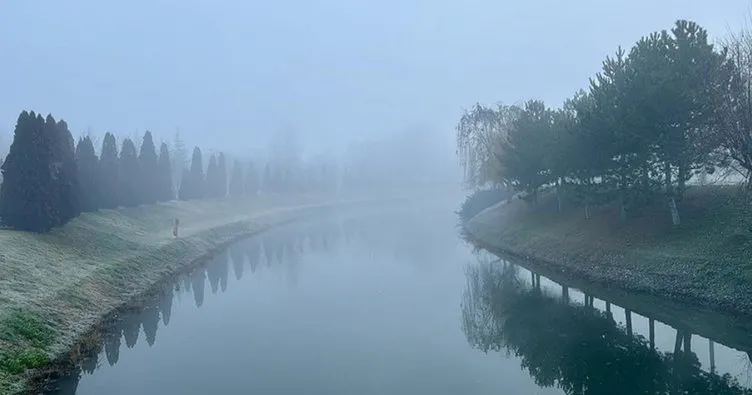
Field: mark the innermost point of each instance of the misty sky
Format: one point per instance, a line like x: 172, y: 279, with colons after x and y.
x: 224, y: 71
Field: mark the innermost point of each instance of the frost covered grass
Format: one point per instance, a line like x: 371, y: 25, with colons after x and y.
x: 704, y: 261
x: 54, y: 287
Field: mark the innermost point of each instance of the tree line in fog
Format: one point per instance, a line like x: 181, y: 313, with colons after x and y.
x: 49, y: 179
x: 672, y: 107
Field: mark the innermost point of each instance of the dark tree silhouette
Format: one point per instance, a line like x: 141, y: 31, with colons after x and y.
x: 88, y: 174
x: 212, y: 178
x: 198, y: 281
x: 131, y: 328
x: 252, y: 249
x: 149, y: 174
x: 112, y: 345
x: 109, y: 173
x: 236, y: 180
x: 150, y: 321
x: 165, y: 175
x: 223, y: 270
x: 165, y: 304
x: 236, y: 256
x: 192, y: 184
x: 129, y: 175
x: 27, y: 195
x: 66, y: 175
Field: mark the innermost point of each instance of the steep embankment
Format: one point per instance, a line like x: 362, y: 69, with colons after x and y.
x: 706, y: 260
x: 55, y: 287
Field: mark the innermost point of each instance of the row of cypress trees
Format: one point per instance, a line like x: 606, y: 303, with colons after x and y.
x: 48, y: 179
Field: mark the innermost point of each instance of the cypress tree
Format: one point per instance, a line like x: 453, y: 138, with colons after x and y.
x: 109, y: 184
x: 88, y: 174
x: 212, y: 178
x: 222, y: 179
x: 165, y: 175
x: 196, y: 184
x: 27, y: 192
x: 236, y: 180
x: 184, y: 190
x: 67, y: 181
x: 252, y: 181
x: 148, y: 175
x: 129, y: 172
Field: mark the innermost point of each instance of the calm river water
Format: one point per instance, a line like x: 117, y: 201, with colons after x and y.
x: 395, y: 302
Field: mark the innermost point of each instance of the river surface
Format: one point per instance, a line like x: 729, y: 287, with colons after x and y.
x: 393, y: 302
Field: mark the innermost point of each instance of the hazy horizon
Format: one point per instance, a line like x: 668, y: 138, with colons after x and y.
x: 337, y: 72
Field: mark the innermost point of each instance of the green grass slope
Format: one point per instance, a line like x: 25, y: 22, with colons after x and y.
x: 707, y: 260
x: 54, y: 287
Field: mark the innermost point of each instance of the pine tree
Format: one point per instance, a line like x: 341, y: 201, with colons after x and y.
x: 179, y: 160
x: 148, y: 175
x: 236, y: 179
x: 184, y: 190
x: 192, y: 184
x: 109, y: 184
x: 251, y: 184
x: 27, y: 192
x: 212, y: 178
x: 222, y: 179
x: 88, y: 174
x: 129, y: 174
x: 165, y: 175
x: 67, y: 186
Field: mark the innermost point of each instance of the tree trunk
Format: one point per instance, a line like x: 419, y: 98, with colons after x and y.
x: 558, y: 194
x: 675, y: 220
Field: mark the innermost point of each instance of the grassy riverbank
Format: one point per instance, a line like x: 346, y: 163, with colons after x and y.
x: 706, y: 260
x: 56, y: 286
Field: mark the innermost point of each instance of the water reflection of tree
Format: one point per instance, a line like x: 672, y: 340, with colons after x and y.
x: 150, y: 319
x: 577, y: 348
x: 197, y: 284
x: 213, y: 269
x: 112, y: 345
x: 165, y: 303
x: 236, y: 256
x: 252, y: 249
x: 223, y: 270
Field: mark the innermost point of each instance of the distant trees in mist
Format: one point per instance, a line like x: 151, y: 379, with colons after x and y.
x: 49, y: 179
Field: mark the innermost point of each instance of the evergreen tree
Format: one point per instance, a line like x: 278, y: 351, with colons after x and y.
x: 179, y: 160
x: 165, y: 175
x: 268, y: 182
x: 88, y: 174
x: 67, y: 183
x: 251, y: 182
x: 149, y: 176
x: 222, y: 179
x: 184, y: 189
x: 27, y: 194
x: 192, y: 184
x: 236, y: 179
x: 212, y: 178
x: 109, y: 184
x: 129, y: 174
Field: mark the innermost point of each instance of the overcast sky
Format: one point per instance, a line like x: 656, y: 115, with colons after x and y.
x: 230, y: 73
